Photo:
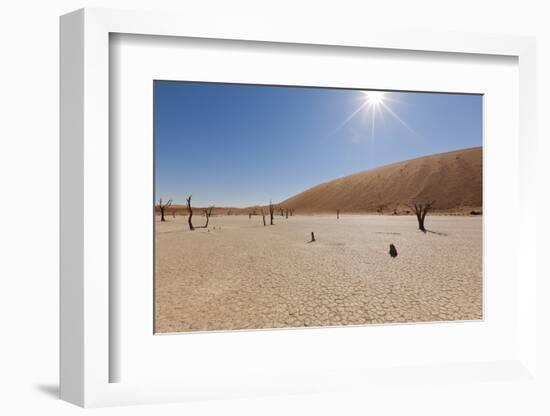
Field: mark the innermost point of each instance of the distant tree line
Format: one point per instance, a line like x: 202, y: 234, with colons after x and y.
x: 419, y: 209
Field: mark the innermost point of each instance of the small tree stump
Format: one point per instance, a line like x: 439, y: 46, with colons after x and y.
x: 312, y: 237
x: 393, y: 251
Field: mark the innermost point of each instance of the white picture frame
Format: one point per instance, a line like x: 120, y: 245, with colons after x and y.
x: 86, y: 356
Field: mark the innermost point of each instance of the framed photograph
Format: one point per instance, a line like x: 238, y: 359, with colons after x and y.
x: 271, y: 212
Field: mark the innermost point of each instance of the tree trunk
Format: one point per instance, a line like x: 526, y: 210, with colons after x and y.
x: 421, y: 224
x: 190, y: 213
x: 208, y: 213
x: 162, y: 207
x: 271, y: 211
x: 423, y: 217
x: 421, y: 210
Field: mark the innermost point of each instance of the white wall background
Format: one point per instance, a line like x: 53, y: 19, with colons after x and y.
x: 29, y: 194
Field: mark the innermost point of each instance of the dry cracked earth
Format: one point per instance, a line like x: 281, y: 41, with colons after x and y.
x: 239, y: 274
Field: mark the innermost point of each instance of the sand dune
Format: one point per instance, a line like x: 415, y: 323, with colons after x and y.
x: 453, y: 179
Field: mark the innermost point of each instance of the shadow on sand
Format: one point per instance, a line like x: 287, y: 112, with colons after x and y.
x: 436, y: 233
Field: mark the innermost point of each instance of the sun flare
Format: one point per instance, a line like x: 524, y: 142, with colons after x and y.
x: 373, y: 105
x: 374, y: 98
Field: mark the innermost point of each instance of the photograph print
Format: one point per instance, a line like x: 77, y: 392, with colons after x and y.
x: 293, y: 207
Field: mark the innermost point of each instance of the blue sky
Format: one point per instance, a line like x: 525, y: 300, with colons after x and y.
x: 241, y: 145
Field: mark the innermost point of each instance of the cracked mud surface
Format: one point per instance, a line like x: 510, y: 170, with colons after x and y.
x: 242, y: 275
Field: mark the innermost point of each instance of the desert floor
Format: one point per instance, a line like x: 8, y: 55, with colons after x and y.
x: 242, y: 275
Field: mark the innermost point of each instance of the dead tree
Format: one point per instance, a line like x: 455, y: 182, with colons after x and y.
x: 263, y: 217
x: 162, y: 208
x: 207, y: 213
x: 190, y: 213
x: 337, y: 214
x: 421, y: 210
x: 271, y: 211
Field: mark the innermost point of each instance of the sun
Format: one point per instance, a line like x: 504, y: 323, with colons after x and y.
x: 374, y: 98
x: 374, y: 104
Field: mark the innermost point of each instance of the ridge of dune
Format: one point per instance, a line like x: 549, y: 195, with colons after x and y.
x: 453, y: 179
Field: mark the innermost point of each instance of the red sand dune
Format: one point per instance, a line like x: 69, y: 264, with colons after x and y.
x: 453, y: 180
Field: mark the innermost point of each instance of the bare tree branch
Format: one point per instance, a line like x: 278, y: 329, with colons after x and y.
x: 207, y: 214
x: 162, y: 208
x: 421, y: 210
